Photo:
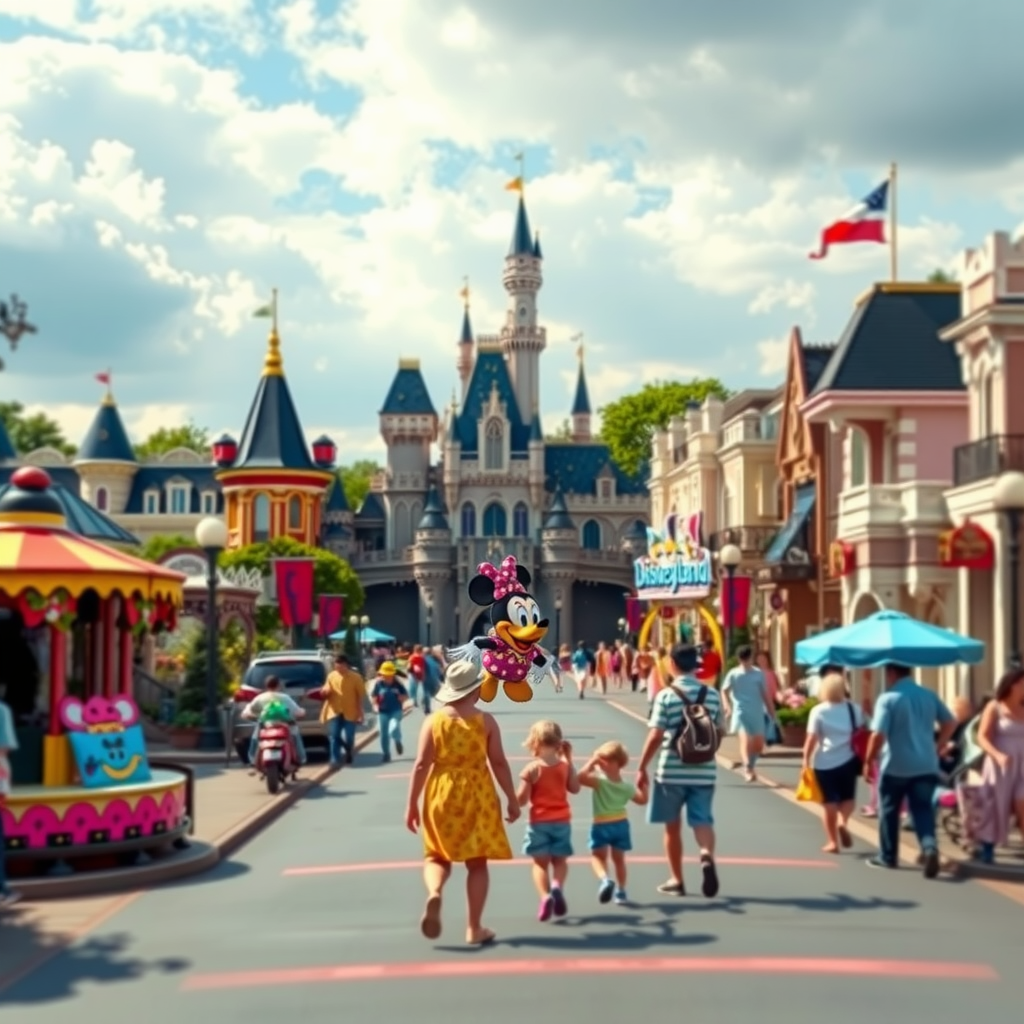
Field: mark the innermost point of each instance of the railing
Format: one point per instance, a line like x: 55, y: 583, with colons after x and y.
x: 981, y: 460
x: 154, y: 699
x: 747, y: 428
x: 916, y: 502
x: 747, y: 538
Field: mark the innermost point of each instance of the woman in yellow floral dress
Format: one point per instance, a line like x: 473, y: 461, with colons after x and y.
x: 461, y: 816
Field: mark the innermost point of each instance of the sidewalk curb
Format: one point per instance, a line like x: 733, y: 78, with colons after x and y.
x: 908, y: 853
x: 200, y: 856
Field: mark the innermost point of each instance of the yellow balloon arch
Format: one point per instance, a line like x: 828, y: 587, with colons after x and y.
x: 705, y: 613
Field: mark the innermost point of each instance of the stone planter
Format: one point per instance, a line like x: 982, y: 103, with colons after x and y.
x: 183, y: 739
x: 793, y: 735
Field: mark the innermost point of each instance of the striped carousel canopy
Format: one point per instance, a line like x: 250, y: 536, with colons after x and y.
x: 39, y: 553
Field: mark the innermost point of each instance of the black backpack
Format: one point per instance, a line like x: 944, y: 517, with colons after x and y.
x: 698, y: 737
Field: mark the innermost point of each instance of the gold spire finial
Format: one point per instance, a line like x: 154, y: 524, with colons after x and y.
x: 464, y: 294
x: 578, y: 340
x: 273, y: 365
x: 107, y: 379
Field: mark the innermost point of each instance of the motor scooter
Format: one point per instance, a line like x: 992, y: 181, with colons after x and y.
x: 276, y: 759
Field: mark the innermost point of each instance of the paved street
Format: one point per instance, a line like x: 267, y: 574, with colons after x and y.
x: 318, y: 916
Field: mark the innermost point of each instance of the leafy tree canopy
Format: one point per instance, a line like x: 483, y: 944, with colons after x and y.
x: 941, y: 277
x: 30, y: 432
x: 628, y: 424
x: 331, y: 574
x: 156, y: 547
x: 356, y: 479
x: 166, y: 439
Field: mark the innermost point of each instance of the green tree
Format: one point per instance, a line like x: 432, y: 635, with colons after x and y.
x: 192, y: 695
x: 356, y: 479
x: 940, y: 277
x: 156, y: 547
x: 31, y: 432
x: 561, y: 433
x: 628, y: 424
x: 166, y: 439
x: 331, y: 575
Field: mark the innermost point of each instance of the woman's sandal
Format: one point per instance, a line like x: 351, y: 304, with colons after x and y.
x: 430, y: 922
x: 845, y: 839
x: 672, y: 888
x: 484, y: 938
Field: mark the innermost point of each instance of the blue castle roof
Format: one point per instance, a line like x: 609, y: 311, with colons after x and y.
x: 433, y: 513
x: 106, y: 440
x: 7, y: 452
x: 522, y: 239
x: 159, y: 479
x: 574, y: 468
x: 581, y: 403
x: 408, y: 395
x: 536, y: 430
x: 537, y: 253
x: 466, y: 334
x: 337, y: 501
x: 273, y: 438
x: 371, y: 509
x: 490, y: 371
x: 558, y: 517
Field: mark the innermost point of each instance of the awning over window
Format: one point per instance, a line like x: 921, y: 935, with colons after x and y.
x: 803, y: 506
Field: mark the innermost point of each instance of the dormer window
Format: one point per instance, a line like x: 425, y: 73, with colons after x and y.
x: 151, y: 503
x: 605, y: 489
x: 494, y: 446
x: 178, y: 499
x: 102, y: 499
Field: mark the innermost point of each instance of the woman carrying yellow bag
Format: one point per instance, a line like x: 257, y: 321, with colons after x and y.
x: 808, y: 791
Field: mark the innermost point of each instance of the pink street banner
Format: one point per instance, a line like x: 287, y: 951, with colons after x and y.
x: 294, y: 579
x: 735, y: 595
x: 332, y: 609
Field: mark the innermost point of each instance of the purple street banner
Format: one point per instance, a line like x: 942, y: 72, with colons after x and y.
x: 294, y: 580
x: 332, y: 609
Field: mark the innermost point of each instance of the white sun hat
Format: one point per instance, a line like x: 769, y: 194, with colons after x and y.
x: 460, y: 680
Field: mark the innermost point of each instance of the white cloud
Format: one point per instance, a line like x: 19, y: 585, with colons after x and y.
x: 774, y: 355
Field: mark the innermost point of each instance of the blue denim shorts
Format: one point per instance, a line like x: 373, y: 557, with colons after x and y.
x: 669, y: 798
x: 613, y: 834
x: 548, y: 839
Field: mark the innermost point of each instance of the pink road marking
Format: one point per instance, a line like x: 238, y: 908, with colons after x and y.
x: 409, y: 865
x: 436, y: 969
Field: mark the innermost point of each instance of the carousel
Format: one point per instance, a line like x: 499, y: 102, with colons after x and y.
x: 71, y: 613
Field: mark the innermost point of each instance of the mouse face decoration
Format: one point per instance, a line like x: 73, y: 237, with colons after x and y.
x: 107, y: 740
x: 512, y: 653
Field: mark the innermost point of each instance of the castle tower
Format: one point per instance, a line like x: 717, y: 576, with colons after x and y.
x: 451, y: 455
x: 106, y: 461
x: 465, y: 360
x: 272, y: 487
x: 522, y: 339
x: 337, y: 520
x: 432, y: 569
x: 581, y: 407
x: 409, y: 426
x: 536, y: 471
x: 560, y: 543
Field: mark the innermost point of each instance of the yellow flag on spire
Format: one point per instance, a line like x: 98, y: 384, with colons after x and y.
x: 515, y: 185
x: 464, y: 294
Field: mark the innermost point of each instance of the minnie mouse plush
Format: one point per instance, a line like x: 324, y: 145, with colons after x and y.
x: 511, y: 654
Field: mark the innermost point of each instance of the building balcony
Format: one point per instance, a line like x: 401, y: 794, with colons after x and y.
x: 751, y: 540
x: 987, y: 458
x: 747, y: 429
x: 891, y: 506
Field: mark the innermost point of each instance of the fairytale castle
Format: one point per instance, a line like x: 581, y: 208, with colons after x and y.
x: 492, y: 486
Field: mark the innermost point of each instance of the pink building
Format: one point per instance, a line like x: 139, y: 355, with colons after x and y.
x: 896, y: 407
x: 988, y: 339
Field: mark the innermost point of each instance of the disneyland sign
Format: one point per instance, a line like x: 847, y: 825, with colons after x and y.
x: 679, y: 575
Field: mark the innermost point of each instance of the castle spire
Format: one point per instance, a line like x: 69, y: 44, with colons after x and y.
x: 273, y: 365
x: 581, y: 403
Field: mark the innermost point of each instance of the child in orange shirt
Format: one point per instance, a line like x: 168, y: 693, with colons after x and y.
x: 545, y: 784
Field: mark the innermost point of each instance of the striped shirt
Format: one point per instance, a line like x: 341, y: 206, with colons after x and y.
x: 667, y: 715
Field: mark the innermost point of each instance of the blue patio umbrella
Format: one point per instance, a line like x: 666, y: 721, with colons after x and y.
x: 889, y: 637
x: 368, y: 635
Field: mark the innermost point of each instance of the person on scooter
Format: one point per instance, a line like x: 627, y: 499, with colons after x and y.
x: 273, y: 694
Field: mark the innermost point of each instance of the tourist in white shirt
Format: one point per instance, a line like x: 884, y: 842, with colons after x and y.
x: 829, y: 751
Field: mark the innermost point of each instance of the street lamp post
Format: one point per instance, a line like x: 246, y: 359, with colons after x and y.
x: 1008, y: 498
x: 729, y: 558
x: 364, y: 625
x: 212, y: 537
x: 622, y: 624
x: 558, y: 621
x: 430, y: 620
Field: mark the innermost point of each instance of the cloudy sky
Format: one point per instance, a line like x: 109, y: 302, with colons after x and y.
x: 164, y: 163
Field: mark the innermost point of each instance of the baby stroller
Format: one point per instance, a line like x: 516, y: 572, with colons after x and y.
x: 954, y: 799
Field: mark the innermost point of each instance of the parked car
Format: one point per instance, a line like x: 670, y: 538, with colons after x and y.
x: 302, y: 673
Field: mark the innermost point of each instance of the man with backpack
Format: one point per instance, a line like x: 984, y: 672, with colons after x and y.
x: 685, y: 733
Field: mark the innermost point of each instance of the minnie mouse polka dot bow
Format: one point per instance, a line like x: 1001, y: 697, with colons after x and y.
x: 504, y: 577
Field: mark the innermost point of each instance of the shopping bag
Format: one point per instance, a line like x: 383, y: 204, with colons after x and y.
x: 772, y: 733
x: 807, y: 791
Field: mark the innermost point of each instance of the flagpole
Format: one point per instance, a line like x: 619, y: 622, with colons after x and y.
x: 273, y: 310
x: 893, y: 226
x: 521, y: 157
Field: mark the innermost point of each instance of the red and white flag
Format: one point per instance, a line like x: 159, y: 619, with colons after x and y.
x: 864, y: 223
x: 104, y: 378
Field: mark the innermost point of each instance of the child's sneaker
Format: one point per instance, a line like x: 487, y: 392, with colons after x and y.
x: 558, y: 898
x: 547, y: 908
x: 605, y: 890
x: 621, y: 899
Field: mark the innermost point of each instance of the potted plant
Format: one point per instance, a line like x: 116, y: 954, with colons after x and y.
x: 792, y: 721
x: 184, y: 731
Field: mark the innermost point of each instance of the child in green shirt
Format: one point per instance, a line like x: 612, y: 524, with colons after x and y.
x: 609, y: 831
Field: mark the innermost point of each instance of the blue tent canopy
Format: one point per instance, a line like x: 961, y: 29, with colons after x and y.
x: 368, y: 635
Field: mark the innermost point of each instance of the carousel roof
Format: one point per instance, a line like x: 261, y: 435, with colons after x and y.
x: 39, y: 552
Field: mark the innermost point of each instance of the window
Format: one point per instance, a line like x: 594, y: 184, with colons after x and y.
x: 261, y: 518
x: 606, y: 489
x: 591, y: 535
x: 209, y: 503
x: 495, y: 521
x: 494, y: 446
x: 295, y: 513
x: 468, y: 520
x: 179, y: 501
x: 521, y: 520
x: 858, y: 458
x: 152, y: 503
x: 102, y: 499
